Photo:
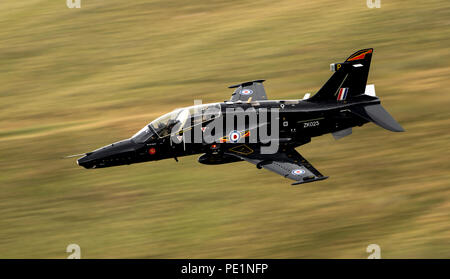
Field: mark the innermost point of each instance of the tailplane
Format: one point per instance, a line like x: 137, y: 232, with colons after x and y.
x: 378, y: 115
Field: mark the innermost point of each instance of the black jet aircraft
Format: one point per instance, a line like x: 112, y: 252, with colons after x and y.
x: 343, y: 102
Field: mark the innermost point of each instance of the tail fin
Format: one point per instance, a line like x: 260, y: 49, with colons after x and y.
x: 349, y: 79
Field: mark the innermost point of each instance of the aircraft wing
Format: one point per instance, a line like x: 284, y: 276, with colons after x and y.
x: 250, y: 90
x: 288, y: 163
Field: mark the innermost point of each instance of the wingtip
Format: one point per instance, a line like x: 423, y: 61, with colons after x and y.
x: 310, y: 180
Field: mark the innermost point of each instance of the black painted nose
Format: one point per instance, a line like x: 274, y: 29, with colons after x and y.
x: 119, y: 153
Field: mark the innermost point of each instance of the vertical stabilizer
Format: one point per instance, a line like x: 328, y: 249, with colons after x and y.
x: 349, y: 78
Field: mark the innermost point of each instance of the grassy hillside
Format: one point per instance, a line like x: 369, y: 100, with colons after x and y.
x: 73, y: 80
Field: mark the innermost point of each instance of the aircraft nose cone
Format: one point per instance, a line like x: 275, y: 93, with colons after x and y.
x: 118, y: 153
x: 85, y: 162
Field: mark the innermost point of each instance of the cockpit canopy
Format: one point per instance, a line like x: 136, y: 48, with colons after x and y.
x: 178, y: 119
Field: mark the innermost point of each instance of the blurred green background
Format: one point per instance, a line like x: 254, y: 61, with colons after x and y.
x: 73, y: 80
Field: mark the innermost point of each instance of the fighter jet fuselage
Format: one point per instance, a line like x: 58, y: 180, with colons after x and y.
x: 344, y: 102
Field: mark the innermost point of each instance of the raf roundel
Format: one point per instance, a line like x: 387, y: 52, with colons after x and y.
x: 298, y: 172
x: 246, y: 92
x: 234, y: 136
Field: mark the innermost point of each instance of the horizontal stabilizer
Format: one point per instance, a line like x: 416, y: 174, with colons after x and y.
x: 378, y: 115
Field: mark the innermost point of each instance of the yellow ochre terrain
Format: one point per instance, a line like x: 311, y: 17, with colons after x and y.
x: 73, y: 80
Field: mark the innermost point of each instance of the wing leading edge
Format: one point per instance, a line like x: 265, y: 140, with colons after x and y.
x: 288, y: 163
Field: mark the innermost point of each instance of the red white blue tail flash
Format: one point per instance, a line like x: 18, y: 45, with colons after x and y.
x: 342, y: 94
